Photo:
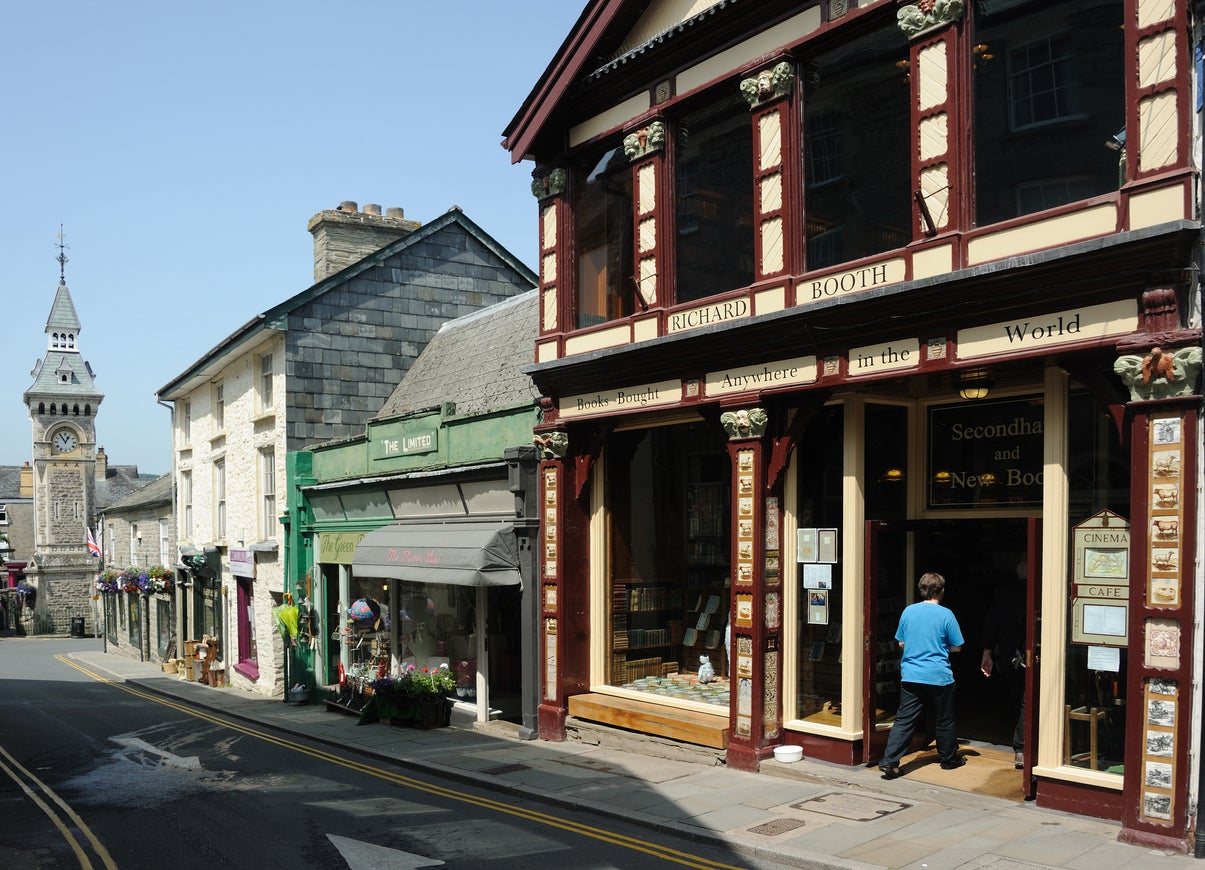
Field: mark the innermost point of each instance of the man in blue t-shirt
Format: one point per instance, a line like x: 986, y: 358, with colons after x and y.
x: 927, y: 634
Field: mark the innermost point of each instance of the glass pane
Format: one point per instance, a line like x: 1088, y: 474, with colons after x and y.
x: 818, y: 666
x: 715, y: 199
x: 1049, y: 98
x: 668, y: 497
x: 603, y: 235
x: 1094, y: 692
x: 857, y: 129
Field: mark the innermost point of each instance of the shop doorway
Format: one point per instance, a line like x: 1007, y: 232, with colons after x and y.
x: 990, y: 565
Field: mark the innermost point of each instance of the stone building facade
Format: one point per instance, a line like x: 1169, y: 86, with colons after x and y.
x: 312, y: 369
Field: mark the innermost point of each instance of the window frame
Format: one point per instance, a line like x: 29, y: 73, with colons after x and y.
x: 267, y: 500
x: 265, y: 386
x: 219, y: 499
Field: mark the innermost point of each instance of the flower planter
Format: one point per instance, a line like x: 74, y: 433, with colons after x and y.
x: 423, y: 712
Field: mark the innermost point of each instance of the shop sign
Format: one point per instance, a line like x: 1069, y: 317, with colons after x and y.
x: 637, y: 398
x: 764, y: 376
x: 406, y: 445
x: 337, y: 548
x: 242, y: 562
x: 720, y: 312
x: 1101, y: 581
x: 1049, y: 330
x: 876, y: 358
x: 986, y: 453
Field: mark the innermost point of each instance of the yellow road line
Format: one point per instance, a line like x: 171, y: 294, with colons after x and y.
x: 678, y: 857
x: 84, y: 861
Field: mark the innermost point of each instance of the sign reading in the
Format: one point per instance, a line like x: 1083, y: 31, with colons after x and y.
x: 986, y: 453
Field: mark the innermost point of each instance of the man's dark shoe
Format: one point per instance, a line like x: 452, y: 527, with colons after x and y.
x: 955, y: 762
x: 890, y: 771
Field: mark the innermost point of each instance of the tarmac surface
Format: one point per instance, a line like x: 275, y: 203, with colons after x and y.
x: 807, y: 813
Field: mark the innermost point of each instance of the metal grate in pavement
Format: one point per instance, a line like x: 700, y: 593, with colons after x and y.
x: 777, y: 826
x: 505, y: 768
x: 851, y: 807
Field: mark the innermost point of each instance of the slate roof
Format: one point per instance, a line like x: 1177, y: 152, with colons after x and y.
x: 62, y: 312
x: 474, y: 361
x: 158, y: 491
x: 10, y: 484
x: 119, y: 482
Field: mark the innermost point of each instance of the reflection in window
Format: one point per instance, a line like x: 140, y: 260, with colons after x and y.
x: 1098, y: 476
x: 818, y: 663
x: 603, y: 233
x: 857, y: 130
x: 714, y: 178
x: 668, y: 533
x: 1049, y: 93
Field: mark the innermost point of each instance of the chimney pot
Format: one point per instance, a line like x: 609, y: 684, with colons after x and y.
x: 395, y: 212
x: 348, y: 205
x: 372, y: 208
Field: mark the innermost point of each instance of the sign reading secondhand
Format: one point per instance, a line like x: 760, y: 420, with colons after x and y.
x: 986, y: 453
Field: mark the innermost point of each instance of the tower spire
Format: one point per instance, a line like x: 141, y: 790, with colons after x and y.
x: 62, y: 257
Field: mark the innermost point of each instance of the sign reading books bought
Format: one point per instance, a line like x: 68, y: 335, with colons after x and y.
x: 985, y: 453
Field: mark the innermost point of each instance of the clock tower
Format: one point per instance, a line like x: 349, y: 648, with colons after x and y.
x: 62, y: 405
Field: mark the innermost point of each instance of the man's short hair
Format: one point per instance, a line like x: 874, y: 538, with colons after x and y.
x: 930, y: 584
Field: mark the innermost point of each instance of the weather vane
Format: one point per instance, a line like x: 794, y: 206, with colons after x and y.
x: 62, y: 257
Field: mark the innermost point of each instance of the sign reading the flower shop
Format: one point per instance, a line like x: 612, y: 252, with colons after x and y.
x: 242, y: 563
x: 986, y: 453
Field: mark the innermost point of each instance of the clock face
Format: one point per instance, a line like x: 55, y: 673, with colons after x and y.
x: 63, y: 442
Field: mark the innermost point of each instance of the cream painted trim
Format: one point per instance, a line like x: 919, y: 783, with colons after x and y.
x: 644, y: 330
x: 1055, y: 497
x: 654, y: 421
x: 853, y: 516
x: 1064, y: 229
x: 600, y: 340
x: 932, y: 261
x: 1080, y: 775
x: 660, y: 700
x: 546, y: 351
x: 764, y: 43
x: 1157, y: 206
x: 597, y: 572
x: 766, y: 301
x: 616, y: 116
x: 789, y: 669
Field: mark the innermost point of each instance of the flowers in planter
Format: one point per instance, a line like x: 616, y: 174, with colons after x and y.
x: 127, y: 580
x: 427, y: 681
x: 160, y: 579
x: 107, y: 582
x: 131, y: 580
x: 27, y: 591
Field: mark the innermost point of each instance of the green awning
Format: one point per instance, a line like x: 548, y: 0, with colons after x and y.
x: 459, y: 554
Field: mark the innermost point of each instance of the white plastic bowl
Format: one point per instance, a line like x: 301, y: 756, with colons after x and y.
x: 788, y: 754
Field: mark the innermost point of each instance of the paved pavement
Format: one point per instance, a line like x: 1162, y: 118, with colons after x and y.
x: 804, y: 814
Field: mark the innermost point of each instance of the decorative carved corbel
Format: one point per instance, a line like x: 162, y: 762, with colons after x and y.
x: 644, y: 140
x: 919, y: 18
x: 552, y: 445
x: 769, y: 84
x: 749, y: 423
x: 552, y: 184
x: 1160, y: 374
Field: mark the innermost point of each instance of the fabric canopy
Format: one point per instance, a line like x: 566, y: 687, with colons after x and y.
x: 460, y: 554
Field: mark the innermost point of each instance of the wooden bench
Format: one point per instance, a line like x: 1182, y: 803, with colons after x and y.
x: 684, y: 725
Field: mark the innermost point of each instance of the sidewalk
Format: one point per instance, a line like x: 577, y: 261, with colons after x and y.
x: 806, y: 814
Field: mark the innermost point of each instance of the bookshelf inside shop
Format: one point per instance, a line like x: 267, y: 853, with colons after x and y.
x: 706, y: 592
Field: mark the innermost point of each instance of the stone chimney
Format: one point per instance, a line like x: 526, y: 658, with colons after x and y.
x: 102, y: 464
x: 346, y: 235
x: 26, y: 484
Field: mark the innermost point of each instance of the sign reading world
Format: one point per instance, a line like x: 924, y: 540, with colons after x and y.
x: 986, y: 453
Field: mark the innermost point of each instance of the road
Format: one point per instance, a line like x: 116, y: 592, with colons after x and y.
x: 99, y: 774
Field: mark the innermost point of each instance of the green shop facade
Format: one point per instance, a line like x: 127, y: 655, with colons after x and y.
x: 412, y: 545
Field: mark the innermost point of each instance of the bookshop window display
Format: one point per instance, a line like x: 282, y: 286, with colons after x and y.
x: 668, y: 530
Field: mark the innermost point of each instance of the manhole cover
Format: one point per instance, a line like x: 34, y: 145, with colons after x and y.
x: 852, y: 807
x: 777, y: 826
x: 505, y: 768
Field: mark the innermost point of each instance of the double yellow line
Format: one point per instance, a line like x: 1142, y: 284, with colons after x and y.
x: 60, y: 814
x: 672, y: 855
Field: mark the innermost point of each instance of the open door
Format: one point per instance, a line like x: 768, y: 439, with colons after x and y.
x: 884, y: 595
x: 1033, y: 625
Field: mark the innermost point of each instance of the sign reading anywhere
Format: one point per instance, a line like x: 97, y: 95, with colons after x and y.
x: 764, y: 376
x: 983, y: 453
x: 406, y: 445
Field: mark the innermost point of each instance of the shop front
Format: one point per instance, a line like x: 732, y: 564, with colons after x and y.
x: 736, y: 561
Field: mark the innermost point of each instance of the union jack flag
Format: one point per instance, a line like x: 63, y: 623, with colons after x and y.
x: 93, y: 548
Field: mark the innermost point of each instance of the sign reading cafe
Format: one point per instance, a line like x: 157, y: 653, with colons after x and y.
x: 985, y: 453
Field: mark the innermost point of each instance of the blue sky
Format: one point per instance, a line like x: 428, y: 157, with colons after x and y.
x: 184, y: 147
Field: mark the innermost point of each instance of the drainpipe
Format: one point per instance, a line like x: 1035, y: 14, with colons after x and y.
x: 1199, y: 75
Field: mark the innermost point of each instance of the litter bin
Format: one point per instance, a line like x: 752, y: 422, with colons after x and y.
x: 77, y: 626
